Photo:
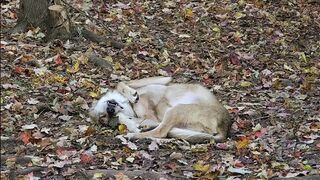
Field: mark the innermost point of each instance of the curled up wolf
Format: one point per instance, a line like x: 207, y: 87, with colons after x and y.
x: 184, y: 111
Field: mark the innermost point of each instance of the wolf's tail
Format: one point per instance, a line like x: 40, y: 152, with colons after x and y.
x: 148, y: 81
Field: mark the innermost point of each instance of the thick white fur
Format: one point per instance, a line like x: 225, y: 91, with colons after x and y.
x: 149, y: 81
x: 158, y: 89
x: 100, y: 108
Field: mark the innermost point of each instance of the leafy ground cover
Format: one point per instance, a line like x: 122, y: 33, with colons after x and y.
x: 261, y: 58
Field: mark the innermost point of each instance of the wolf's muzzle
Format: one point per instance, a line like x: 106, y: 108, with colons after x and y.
x: 111, y: 107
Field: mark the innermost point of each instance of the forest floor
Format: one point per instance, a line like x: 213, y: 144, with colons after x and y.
x: 261, y: 59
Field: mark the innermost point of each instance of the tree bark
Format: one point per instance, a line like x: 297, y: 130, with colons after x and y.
x: 49, y: 15
x: 52, y: 18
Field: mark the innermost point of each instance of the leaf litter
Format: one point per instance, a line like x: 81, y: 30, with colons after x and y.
x: 260, y: 58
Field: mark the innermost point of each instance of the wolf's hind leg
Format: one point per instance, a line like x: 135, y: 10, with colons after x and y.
x: 190, y: 135
x: 148, y: 81
x: 160, y: 131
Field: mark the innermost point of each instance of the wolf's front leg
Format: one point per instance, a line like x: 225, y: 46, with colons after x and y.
x: 131, y: 122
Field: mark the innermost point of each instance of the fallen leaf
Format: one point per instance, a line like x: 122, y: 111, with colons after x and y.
x: 65, y: 117
x: 17, y: 106
x: 130, y: 145
x: 32, y: 101
x: 130, y: 159
x: 122, y: 129
x: 121, y: 176
x: 61, y: 164
x: 25, y: 137
x: 58, y: 60
x: 90, y: 131
x: 188, y: 13
x: 94, y: 94
x: 245, y: 84
x: 98, y: 175
x: 74, y: 69
x: 307, y: 167
x: 86, y: 158
x: 239, y: 15
x: 175, y: 155
x: 243, y: 143
x: 29, y: 126
x: 201, y: 166
x: 153, y: 146
x: 239, y: 170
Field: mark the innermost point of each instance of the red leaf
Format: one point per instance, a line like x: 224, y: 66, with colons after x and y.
x: 238, y: 164
x: 222, y: 146
x: 259, y: 134
x: 219, y: 67
x: 60, y: 151
x: 18, y: 70
x: 25, y: 137
x: 86, y: 158
x: 234, y: 59
x: 297, y: 154
x: 58, y: 60
x: 62, y: 91
x: 172, y: 166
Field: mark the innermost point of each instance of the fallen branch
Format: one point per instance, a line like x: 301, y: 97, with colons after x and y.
x: 110, y: 173
x: 21, y: 160
x: 29, y: 170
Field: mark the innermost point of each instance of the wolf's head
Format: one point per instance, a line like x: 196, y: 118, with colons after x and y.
x: 111, y: 103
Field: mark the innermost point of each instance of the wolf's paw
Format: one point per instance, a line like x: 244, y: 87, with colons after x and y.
x: 133, y: 96
x: 128, y: 92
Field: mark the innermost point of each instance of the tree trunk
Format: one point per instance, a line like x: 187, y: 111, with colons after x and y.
x: 49, y: 15
x: 52, y: 18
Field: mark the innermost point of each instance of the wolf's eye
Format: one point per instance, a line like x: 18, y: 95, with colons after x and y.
x: 135, y: 94
x: 112, y: 102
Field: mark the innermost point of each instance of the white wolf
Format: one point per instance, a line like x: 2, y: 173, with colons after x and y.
x: 185, y: 111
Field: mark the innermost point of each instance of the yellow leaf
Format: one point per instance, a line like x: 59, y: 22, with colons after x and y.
x: 122, y: 128
x: 311, y: 70
x: 245, y: 84
x: 129, y: 40
x: 109, y: 59
x: 216, y: 28
x: 87, y: 83
x: 239, y: 15
x: 118, y: 66
x: 60, y: 79
x: 200, y: 166
x: 307, y: 167
x: 93, y: 94
x: 188, y: 12
x: 98, y: 175
x: 303, y: 57
x: 243, y: 143
x: 75, y: 68
x: 83, y: 59
x: 237, y: 34
x: 277, y: 84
